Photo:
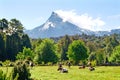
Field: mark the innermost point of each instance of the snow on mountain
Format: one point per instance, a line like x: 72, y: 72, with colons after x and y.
x: 55, y: 26
x: 58, y: 25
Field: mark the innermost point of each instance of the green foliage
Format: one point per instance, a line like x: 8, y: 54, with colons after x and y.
x: 46, y: 52
x: 93, y: 63
x: 26, y: 41
x: 92, y: 57
x: 13, y: 46
x: 100, y: 56
x: 77, y: 51
x: 2, y: 75
x: 92, y: 46
x: 35, y: 43
x: 27, y: 52
x: 12, y: 39
x: 6, y: 63
x: 63, y: 47
x: 97, y: 57
x: 115, y: 57
x: 16, y: 24
x: 3, y: 24
x: 20, y: 72
x: 111, y: 43
x: 2, y: 47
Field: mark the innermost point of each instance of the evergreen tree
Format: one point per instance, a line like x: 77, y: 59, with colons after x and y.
x: 63, y: 47
x: 2, y: 48
x: 3, y: 23
x: 26, y: 41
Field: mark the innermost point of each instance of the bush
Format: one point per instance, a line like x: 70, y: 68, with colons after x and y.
x: 49, y: 63
x: 93, y: 63
x: 20, y: 72
x: 6, y: 63
x: 3, y: 76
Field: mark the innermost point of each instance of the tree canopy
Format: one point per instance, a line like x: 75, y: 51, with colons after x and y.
x: 12, y: 39
x: 115, y: 57
x: 77, y: 51
x: 27, y: 52
x: 46, y: 52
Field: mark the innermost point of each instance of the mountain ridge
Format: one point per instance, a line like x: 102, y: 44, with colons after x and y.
x: 55, y: 27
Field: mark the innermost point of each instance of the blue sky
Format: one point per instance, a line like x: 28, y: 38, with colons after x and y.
x: 33, y: 13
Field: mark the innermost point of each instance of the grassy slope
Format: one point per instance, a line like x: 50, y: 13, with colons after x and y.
x: 51, y: 73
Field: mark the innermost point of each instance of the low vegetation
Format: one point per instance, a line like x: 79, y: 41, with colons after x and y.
x: 51, y: 73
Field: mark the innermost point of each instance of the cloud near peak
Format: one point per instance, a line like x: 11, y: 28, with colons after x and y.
x: 84, y: 21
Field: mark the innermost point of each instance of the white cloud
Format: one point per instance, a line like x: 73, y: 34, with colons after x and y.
x: 83, y: 21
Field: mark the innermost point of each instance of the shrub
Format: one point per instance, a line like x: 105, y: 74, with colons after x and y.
x: 93, y: 63
x: 6, y: 63
x: 3, y: 76
x: 20, y: 72
x: 49, y: 63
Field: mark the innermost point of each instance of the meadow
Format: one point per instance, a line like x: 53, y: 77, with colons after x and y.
x: 51, y: 73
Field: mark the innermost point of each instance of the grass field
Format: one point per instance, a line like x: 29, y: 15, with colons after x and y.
x: 51, y: 73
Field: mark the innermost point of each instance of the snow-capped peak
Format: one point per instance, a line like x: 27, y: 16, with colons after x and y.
x: 47, y: 25
x: 61, y: 23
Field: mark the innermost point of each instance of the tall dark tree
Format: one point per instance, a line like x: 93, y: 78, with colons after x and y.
x: 4, y: 23
x: 13, y: 46
x: 26, y: 41
x: 13, y: 39
x: 63, y: 47
x: 2, y: 48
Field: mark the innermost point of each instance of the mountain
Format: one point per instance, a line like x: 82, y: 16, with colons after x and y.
x: 55, y: 26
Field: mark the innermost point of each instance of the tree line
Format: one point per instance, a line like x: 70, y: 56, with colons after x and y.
x: 81, y: 49
x: 16, y: 45
x: 12, y: 39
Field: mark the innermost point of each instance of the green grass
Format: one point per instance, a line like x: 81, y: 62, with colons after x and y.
x: 51, y: 73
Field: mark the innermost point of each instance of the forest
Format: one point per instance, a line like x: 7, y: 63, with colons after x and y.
x: 15, y: 45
